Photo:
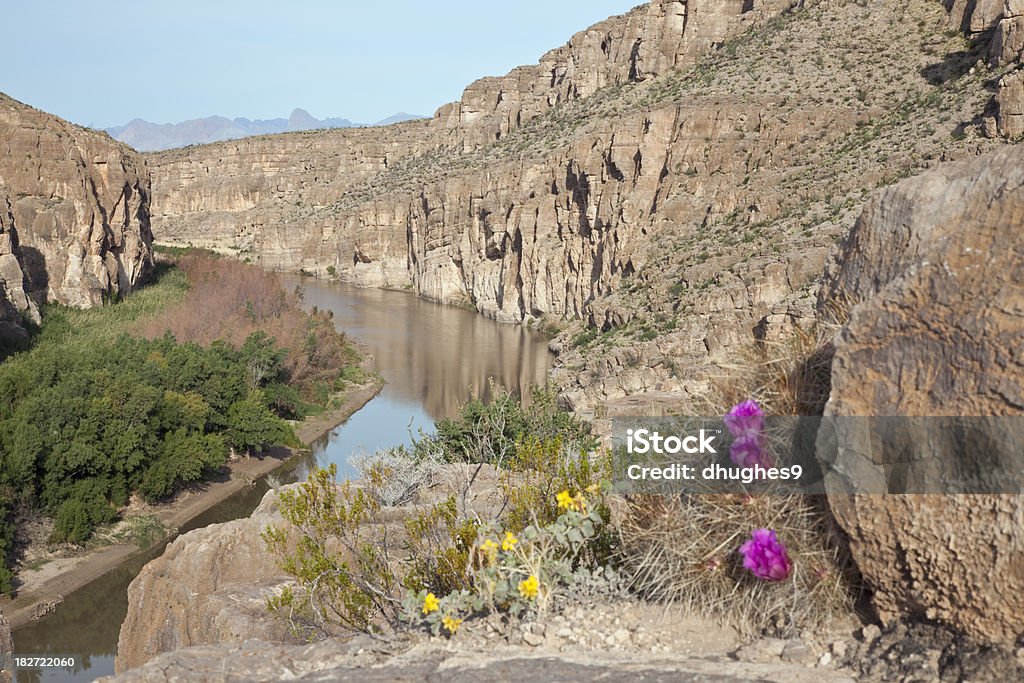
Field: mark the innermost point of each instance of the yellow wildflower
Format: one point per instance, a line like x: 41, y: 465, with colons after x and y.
x: 509, y: 542
x: 490, y: 550
x: 528, y: 587
x: 430, y: 604
x: 451, y: 624
x: 566, y: 501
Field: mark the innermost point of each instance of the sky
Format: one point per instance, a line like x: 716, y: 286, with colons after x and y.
x: 102, y: 63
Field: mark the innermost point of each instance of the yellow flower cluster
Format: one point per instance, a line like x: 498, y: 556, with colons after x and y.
x: 529, y: 587
x: 566, y: 501
x: 451, y: 624
x: 430, y: 604
x: 509, y: 542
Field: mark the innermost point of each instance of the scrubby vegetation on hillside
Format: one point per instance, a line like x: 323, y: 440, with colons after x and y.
x: 91, y: 414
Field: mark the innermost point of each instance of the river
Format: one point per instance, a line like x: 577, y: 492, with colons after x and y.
x: 433, y: 359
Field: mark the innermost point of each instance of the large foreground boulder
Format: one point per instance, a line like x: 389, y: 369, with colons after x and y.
x: 934, y: 273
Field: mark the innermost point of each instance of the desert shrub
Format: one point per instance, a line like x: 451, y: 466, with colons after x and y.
x: 518, y: 574
x: 393, y: 476
x: 490, y: 432
x: 342, y: 570
x: 538, y: 470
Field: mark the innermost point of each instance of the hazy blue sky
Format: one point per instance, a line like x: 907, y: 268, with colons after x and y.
x: 103, y: 62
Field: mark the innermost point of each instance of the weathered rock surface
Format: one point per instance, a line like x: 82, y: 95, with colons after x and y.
x: 6, y: 649
x: 368, y: 661
x: 76, y: 203
x: 209, y: 586
x: 1009, y: 102
x: 14, y: 300
x: 934, y: 270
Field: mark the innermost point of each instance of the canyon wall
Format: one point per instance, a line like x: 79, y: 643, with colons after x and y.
x: 429, y: 206
x: 74, y: 212
x: 678, y: 172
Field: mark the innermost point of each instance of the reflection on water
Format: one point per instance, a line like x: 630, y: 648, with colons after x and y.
x: 433, y: 359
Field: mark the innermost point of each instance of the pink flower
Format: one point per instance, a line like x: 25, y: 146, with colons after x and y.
x: 748, y: 450
x: 765, y: 556
x: 745, y: 418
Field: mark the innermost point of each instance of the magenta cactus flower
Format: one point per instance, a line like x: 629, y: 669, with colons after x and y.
x: 748, y: 451
x: 765, y: 556
x: 745, y: 418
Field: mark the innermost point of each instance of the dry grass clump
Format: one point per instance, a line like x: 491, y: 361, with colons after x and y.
x: 685, y: 550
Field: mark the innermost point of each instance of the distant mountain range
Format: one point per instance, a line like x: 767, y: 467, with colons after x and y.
x: 147, y: 137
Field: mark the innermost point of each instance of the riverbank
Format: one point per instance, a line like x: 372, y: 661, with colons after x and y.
x: 48, y: 584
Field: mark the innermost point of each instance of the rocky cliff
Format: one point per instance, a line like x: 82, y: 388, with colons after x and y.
x: 934, y: 269
x: 361, y: 204
x: 74, y: 212
x: 673, y: 178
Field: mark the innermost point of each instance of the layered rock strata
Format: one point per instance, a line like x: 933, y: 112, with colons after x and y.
x: 422, y: 206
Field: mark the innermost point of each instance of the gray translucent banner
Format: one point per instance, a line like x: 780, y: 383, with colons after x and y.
x: 813, y: 455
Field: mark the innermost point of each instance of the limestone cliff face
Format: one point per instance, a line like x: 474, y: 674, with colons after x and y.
x: 673, y: 178
x: 74, y: 209
x: 14, y: 301
x: 424, y: 205
x: 998, y: 27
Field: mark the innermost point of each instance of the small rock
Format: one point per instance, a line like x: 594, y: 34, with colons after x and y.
x: 870, y: 633
x: 839, y: 649
x: 763, y: 650
x: 537, y: 628
x: 621, y: 636
x: 564, y: 632
x: 797, y: 652
x: 825, y: 659
x: 532, y: 639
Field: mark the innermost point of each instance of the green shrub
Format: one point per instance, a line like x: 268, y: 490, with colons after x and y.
x: 491, y: 432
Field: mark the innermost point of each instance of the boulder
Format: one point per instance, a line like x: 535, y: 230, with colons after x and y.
x: 934, y: 274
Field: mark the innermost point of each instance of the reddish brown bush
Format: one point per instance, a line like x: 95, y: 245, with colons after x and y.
x: 230, y: 300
